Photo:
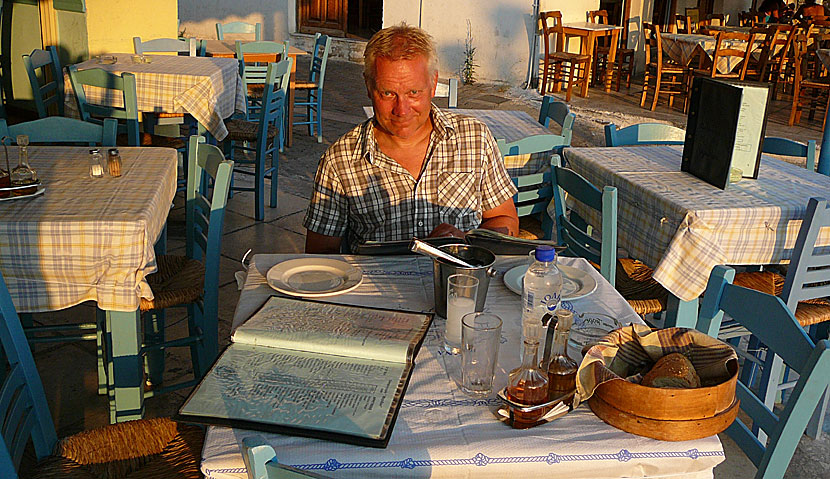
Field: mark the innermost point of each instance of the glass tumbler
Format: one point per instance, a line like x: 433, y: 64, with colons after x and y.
x: 480, y: 336
x: 462, y: 290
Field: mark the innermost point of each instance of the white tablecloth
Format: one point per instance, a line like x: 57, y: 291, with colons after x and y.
x: 441, y: 432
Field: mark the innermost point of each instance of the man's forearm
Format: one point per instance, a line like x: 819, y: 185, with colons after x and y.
x: 504, y: 224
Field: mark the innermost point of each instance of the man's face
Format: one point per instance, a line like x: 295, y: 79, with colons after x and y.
x: 402, y: 94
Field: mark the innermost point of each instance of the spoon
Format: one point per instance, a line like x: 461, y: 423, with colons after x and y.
x: 418, y: 246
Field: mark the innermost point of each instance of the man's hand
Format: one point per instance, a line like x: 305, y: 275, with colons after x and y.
x: 446, y: 230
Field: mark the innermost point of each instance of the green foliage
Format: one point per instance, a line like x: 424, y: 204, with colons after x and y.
x: 468, y: 70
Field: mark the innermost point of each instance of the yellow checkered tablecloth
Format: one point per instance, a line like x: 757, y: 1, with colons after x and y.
x: 682, y: 48
x: 682, y: 226
x: 210, y: 89
x: 84, y: 238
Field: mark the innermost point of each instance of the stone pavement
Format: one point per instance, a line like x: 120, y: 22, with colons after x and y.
x: 69, y: 370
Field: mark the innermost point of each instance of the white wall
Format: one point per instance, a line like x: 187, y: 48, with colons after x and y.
x: 199, y: 17
x: 501, y: 31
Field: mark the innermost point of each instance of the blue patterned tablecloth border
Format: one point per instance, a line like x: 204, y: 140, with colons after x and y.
x: 483, y: 460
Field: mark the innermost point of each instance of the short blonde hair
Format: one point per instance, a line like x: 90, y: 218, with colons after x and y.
x: 398, y: 42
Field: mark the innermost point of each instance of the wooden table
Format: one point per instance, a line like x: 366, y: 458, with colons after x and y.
x: 87, y: 239
x: 440, y: 431
x: 588, y: 33
x: 226, y: 49
x: 683, y: 227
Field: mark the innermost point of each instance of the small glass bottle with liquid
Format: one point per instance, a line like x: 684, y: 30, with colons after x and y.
x: 528, y: 384
x: 114, y: 162
x: 23, y: 174
x: 96, y: 163
x: 561, y: 369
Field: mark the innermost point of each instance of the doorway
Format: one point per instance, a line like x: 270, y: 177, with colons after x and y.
x: 341, y: 18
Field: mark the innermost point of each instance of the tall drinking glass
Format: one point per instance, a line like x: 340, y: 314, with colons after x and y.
x: 480, y: 333
x: 461, y: 299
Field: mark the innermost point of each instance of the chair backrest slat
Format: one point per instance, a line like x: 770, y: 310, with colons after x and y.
x: 20, y: 396
x: 58, y: 129
x: 799, y: 283
x: 559, y: 113
x: 239, y: 27
x: 785, y: 146
x: 46, y: 79
x: 165, y: 45
x: 773, y: 323
x: 644, y: 134
x: 319, y: 59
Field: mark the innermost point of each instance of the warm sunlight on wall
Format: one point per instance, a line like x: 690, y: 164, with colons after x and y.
x: 112, y: 24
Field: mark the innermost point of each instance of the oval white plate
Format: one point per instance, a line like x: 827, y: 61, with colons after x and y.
x: 38, y: 192
x: 314, y: 277
x: 576, y: 283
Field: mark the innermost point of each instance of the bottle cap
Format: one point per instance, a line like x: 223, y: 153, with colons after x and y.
x: 545, y: 254
x: 92, y: 151
x: 113, y: 151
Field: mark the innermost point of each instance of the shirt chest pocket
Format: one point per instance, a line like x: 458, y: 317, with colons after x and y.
x: 459, y: 199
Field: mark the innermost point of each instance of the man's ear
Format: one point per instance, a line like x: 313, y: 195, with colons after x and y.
x: 434, y: 84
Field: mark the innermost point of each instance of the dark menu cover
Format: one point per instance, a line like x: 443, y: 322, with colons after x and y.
x: 725, y: 129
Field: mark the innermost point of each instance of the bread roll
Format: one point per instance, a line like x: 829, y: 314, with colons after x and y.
x: 672, y: 371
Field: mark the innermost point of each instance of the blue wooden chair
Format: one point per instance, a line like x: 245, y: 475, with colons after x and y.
x: 313, y: 88
x: 632, y: 279
x: 267, y: 133
x: 785, y: 146
x: 254, y: 73
x: 579, y: 241
x: 46, y: 79
x: 535, y: 190
x: 58, y: 129
x: 191, y: 280
x: 449, y: 91
x: 127, y: 114
x: 558, y: 112
x: 804, y: 290
x: 644, y: 134
x: 239, y: 27
x: 168, y: 448
x: 768, y: 318
x: 165, y: 45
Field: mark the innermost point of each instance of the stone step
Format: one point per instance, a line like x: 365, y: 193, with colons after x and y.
x: 341, y: 48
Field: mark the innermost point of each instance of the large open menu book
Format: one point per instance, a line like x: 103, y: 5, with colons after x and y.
x: 313, y: 369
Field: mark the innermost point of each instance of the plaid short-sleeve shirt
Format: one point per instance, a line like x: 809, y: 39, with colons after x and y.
x: 362, y: 192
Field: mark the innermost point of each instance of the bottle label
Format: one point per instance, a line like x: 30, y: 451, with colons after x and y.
x: 551, y: 302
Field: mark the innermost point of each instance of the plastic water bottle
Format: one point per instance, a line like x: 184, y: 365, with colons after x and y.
x: 542, y: 286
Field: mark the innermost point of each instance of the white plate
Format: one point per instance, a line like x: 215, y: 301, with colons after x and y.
x: 38, y: 192
x: 314, y: 277
x: 575, y: 282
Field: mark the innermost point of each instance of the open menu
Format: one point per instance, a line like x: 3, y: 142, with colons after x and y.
x: 313, y: 369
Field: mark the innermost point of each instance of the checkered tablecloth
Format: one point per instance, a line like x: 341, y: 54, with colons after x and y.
x: 210, y: 89
x: 84, y: 238
x: 682, y: 48
x: 824, y: 56
x: 443, y: 433
x: 682, y: 226
x: 513, y: 125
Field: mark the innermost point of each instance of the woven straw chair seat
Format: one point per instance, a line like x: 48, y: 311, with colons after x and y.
x: 808, y: 312
x: 148, y: 449
x: 569, y: 57
x: 256, y: 90
x: 146, y: 139
x: 179, y: 280
x: 635, y: 283
x: 530, y: 228
x: 242, y: 130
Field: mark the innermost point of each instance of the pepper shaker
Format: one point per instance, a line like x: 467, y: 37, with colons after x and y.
x: 96, y: 163
x: 114, y: 162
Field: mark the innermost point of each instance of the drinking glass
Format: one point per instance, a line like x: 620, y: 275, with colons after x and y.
x: 462, y: 290
x: 480, y: 335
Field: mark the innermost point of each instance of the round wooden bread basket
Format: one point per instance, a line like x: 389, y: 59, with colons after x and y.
x: 668, y: 414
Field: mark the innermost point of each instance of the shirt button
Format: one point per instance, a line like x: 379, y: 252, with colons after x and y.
x: 420, y: 223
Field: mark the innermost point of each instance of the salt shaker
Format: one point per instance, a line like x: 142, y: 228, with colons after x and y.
x: 96, y: 163
x: 114, y: 162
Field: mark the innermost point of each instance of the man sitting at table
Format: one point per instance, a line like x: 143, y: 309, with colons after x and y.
x: 412, y: 170
x: 809, y: 9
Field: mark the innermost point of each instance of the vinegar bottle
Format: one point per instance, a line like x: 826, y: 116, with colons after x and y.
x: 561, y: 368
x: 528, y: 384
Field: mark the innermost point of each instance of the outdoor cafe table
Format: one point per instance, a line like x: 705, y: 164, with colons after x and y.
x: 441, y: 432
x: 209, y: 89
x: 588, y: 33
x: 682, y: 48
x: 87, y: 239
x: 227, y: 49
x: 683, y: 227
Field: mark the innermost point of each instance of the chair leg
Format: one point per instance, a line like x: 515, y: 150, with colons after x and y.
x: 259, y: 185
x: 557, y: 77
x: 195, y: 348
x: 100, y: 322
x: 154, y: 334
x: 768, y: 389
x: 656, y: 91
x: 275, y: 166
x: 208, y: 325
x: 816, y: 424
x: 573, y: 66
x: 319, y: 109
x: 125, y: 365
x: 645, y: 88
x: 545, y: 71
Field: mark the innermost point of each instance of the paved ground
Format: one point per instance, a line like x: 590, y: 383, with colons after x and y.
x: 68, y: 370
